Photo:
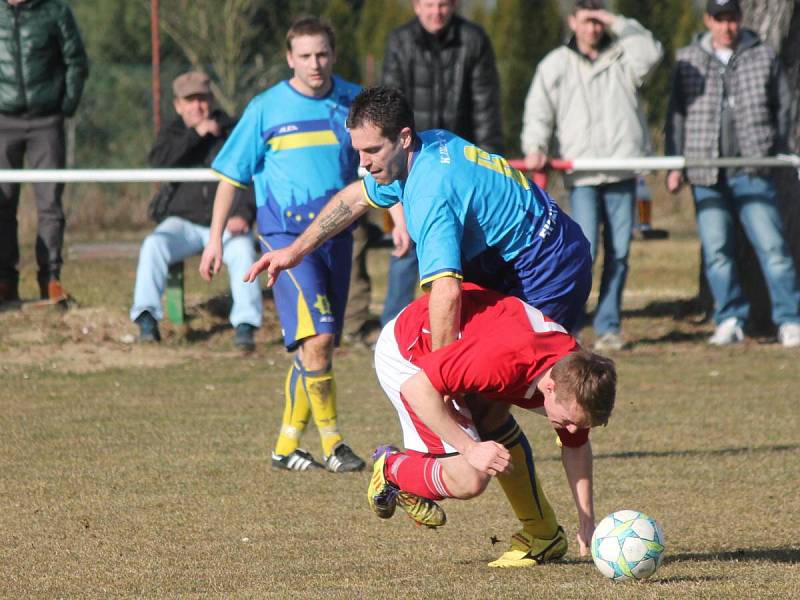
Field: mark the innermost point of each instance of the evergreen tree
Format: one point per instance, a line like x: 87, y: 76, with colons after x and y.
x: 522, y: 32
x: 343, y: 15
x: 672, y: 23
x: 378, y: 18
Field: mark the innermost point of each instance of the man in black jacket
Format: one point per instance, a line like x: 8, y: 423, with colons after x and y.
x: 193, y: 139
x: 43, y: 67
x: 446, y: 69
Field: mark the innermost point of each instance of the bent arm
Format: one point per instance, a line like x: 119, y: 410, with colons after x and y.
x: 539, y: 116
x: 578, y: 468
x: 75, y: 60
x: 642, y: 51
x: 430, y: 406
x: 343, y: 209
x: 444, y: 310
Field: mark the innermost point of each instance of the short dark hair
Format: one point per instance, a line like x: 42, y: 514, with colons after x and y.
x: 384, y: 107
x: 310, y: 26
x: 587, y: 5
x: 593, y: 380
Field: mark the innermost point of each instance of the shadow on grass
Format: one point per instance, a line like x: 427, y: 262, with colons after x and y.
x: 698, y: 452
x: 774, y: 555
x: 683, y: 579
x: 690, y: 309
x: 681, y: 453
x: 672, y: 337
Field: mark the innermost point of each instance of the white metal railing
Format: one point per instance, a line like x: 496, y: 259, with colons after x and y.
x: 651, y: 163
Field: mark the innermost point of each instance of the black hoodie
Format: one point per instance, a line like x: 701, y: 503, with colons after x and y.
x: 178, y: 146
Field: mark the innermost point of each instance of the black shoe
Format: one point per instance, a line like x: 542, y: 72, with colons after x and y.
x: 299, y: 460
x: 148, y: 328
x: 343, y: 460
x: 243, y: 338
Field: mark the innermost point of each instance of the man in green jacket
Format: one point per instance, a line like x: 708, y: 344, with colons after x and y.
x: 43, y: 67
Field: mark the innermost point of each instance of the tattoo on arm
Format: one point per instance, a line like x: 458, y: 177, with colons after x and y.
x: 331, y: 222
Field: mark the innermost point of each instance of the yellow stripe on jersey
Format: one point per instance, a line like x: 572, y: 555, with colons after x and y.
x: 428, y: 280
x: 233, y: 182
x: 366, y: 196
x: 303, y: 140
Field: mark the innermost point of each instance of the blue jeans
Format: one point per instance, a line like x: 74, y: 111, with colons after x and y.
x: 176, y: 239
x: 402, y: 284
x: 753, y: 201
x: 611, y: 205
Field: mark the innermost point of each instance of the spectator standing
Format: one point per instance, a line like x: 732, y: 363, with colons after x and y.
x: 587, y: 93
x: 445, y: 67
x: 43, y: 67
x: 193, y: 139
x: 730, y: 98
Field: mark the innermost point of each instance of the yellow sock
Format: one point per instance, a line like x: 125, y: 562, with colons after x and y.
x: 296, y: 411
x: 521, y: 485
x: 320, y: 387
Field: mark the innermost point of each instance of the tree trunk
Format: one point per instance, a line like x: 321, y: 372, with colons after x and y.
x: 778, y: 23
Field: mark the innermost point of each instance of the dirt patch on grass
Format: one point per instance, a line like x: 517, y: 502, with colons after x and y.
x: 84, y: 340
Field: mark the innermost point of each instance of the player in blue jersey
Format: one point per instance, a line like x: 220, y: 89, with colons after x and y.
x: 473, y: 217
x: 292, y: 145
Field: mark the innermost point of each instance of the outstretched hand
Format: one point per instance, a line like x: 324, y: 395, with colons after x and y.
x: 489, y: 457
x: 273, y: 263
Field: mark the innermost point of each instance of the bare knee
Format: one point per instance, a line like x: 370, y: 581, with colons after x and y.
x: 316, y: 352
x: 467, y: 485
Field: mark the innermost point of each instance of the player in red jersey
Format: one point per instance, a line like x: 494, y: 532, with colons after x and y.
x: 508, y: 353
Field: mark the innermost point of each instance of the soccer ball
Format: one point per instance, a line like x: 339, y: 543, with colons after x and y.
x: 627, y: 545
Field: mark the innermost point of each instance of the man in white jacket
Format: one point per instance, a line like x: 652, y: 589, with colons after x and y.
x: 585, y: 95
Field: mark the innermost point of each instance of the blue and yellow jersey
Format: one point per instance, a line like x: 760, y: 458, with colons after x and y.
x: 296, y: 152
x: 460, y: 202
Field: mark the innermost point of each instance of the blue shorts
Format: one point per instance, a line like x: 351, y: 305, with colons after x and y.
x: 555, y: 277
x: 311, y: 297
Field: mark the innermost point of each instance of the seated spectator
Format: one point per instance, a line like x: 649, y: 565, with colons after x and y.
x: 193, y: 139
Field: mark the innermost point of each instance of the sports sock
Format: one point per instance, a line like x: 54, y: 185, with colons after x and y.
x: 418, y: 474
x: 296, y: 411
x: 320, y: 387
x: 521, y: 486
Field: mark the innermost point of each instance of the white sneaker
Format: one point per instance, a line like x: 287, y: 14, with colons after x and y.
x: 727, y: 332
x: 789, y: 335
x: 610, y: 340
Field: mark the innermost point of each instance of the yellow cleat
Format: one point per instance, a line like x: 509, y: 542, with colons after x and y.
x: 381, y: 494
x: 422, y: 510
x: 528, y: 551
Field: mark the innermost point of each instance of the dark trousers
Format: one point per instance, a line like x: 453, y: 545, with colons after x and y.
x: 357, y: 314
x: 40, y: 142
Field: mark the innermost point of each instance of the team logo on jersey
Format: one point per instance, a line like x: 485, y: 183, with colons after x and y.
x: 322, y: 305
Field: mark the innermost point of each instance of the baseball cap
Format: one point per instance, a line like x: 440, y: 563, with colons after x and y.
x: 718, y: 7
x: 191, y: 83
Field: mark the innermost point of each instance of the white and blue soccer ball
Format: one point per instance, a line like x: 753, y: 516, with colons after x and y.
x: 627, y: 545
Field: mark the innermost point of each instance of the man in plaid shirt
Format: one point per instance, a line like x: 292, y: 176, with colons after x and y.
x: 729, y: 98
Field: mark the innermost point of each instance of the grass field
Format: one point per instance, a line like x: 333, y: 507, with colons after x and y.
x: 142, y: 471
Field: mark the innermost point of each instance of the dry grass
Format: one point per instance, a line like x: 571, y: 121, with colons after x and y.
x: 129, y: 471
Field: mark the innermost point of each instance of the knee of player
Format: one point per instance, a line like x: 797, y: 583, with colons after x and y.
x: 316, y: 351
x: 471, y: 485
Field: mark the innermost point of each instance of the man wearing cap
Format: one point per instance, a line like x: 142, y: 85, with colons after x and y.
x: 729, y: 98
x: 193, y: 139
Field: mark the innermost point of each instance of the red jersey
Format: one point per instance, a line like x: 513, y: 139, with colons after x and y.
x: 504, y: 346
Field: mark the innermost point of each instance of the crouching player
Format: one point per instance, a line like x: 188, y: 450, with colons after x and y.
x: 507, y: 353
